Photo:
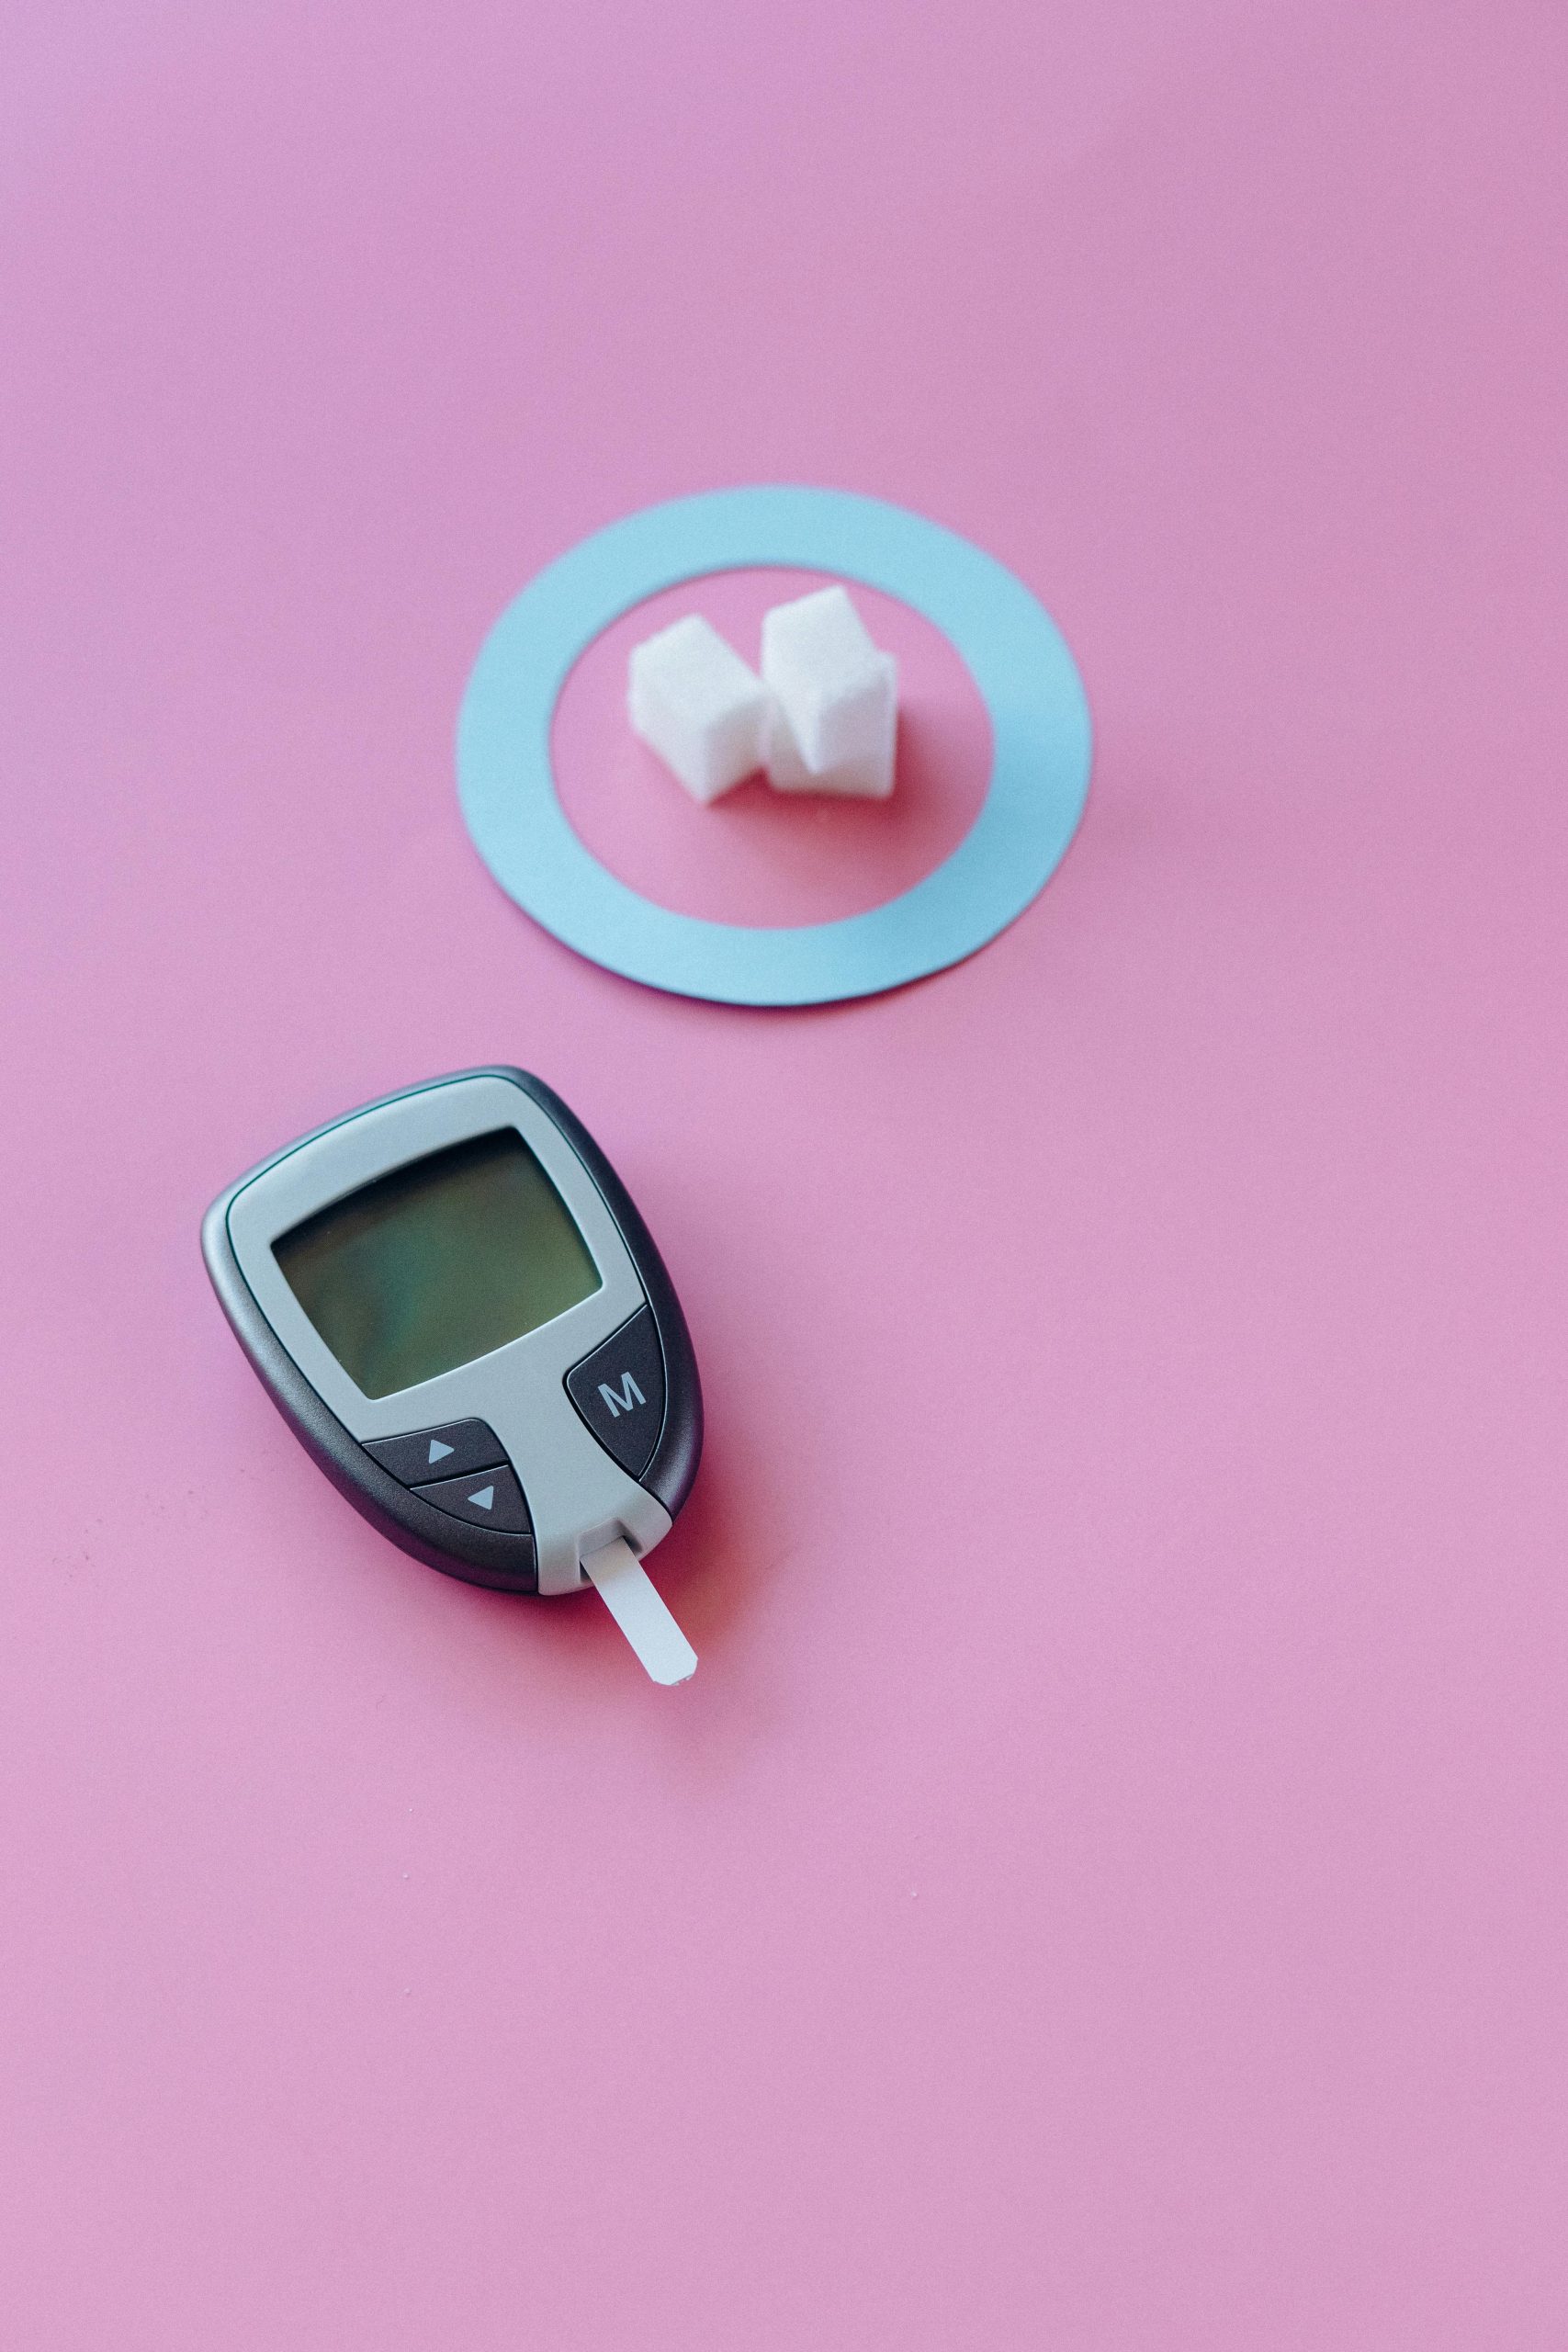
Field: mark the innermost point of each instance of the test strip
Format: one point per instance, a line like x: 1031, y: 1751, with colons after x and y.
x: 619, y: 1576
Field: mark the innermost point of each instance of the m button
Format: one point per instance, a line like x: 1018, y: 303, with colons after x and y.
x: 619, y: 1391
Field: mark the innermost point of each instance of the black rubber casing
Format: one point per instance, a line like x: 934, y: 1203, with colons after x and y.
x: 476, y: 1555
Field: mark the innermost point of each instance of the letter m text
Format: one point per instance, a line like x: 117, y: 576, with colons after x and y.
x: 622, y: 1400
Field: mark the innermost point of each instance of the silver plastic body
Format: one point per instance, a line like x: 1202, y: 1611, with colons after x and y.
x: 579, y: 1499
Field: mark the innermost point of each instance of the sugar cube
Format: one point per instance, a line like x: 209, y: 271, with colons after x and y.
x: 787, y: 771
x: 693, y: 699
x: 834, y: 725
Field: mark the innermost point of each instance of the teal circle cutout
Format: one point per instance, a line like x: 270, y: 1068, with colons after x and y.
x: 1041, y: 738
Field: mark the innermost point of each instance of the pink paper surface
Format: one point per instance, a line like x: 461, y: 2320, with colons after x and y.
x: 1104, y: 1889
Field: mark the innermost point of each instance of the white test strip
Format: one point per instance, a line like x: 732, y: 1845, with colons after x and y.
x: 622, y: 1581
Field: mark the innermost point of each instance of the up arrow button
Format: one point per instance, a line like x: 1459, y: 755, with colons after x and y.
x: 456, y: 1450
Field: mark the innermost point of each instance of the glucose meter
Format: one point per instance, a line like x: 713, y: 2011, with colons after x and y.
x: 454, y: 1303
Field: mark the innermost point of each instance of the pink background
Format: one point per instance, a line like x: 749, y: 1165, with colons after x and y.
x: 1105, y: 1887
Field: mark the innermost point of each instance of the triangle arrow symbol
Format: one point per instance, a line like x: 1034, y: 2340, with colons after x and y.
x: 438, y: 1452
x: 484, y: 1500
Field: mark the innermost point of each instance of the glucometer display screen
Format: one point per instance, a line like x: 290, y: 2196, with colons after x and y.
x: 437, y: 1262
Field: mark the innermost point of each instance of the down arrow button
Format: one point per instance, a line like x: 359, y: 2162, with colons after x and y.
x: 485, y: 1498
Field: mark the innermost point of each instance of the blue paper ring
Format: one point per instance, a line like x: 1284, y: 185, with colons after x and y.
x: 1040, y: 730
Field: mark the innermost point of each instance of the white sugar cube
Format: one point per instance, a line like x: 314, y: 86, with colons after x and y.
x: 787, y: 771
x: 835, y: 724
x: 693, y: 699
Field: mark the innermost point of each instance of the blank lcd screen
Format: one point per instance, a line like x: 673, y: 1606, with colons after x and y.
x: 438, y: 1262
